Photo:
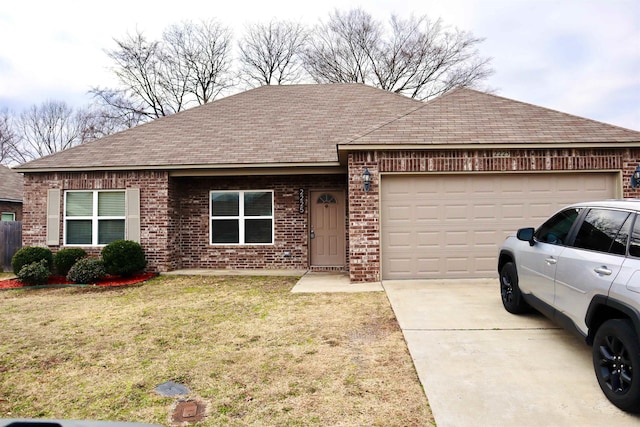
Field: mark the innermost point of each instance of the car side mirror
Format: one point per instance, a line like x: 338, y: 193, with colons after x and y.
x: 526, y: 235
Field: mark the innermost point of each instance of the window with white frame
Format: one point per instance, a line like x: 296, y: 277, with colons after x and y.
x: 241, y: 217
x: 7, y: 216
x: 94, y: 218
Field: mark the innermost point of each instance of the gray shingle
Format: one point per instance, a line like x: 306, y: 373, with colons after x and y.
x: 304, y: 124
x: 270, y: 124
x: 466, y: 116
x: 10, y: 185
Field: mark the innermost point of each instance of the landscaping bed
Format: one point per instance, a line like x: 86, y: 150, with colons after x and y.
x: 60, y: 281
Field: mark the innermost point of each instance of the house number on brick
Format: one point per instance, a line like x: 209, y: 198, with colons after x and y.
x: 301, y: 200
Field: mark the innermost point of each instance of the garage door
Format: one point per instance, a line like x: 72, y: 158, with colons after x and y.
x: 450, y: 226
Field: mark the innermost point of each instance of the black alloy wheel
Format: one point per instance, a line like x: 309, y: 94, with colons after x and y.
x: 616, y: 355
x: 510, y: 292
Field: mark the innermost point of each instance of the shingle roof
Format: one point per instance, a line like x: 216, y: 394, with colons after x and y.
x: 271, y: 124
x: 305, y: 125
x: 465, y: 116
x: 10, y: 185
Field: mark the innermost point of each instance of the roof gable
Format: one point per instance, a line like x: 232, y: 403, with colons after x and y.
x: 11, y: 184
x: 466, y: 116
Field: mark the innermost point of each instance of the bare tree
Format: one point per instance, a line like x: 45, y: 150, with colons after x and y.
x: 48, y: 128
x: 270, y: 53
x: 8, y: 139
x: 338, y: 50
x: 190, y: 65
x: 199, y: 57
x: 415, y: 57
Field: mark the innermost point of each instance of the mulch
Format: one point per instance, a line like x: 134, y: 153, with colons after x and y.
x: 60, y: 281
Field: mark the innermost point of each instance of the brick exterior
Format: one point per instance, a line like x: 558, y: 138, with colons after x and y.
x: 364, y: 208
x: 174, y: 212
x: 154, y: 196
x: 12, y: 207
x: 291, y: 226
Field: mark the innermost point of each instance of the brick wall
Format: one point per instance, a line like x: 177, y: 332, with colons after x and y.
x: 154, y: 195
x: 364, y: 224
x: 291, y: 226
x: 12, y: 207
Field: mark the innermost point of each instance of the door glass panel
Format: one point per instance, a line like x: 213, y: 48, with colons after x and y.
x: 557, y: 228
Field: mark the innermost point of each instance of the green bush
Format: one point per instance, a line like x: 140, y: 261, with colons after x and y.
x: 64, y: 259
x: 123, y: 258
x: 31, y: 254
x: 36, y: 273
x: 87, y: 270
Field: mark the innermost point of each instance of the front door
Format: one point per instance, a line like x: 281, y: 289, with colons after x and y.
x: 326, y: 233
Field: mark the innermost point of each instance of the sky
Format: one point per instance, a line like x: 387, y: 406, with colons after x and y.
x: 577, y: 56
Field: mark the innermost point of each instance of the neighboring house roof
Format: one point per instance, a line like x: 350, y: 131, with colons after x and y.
x: 309, y: 125
x: 10, y: 185
x: 290, y: 125
x: 468, y: 117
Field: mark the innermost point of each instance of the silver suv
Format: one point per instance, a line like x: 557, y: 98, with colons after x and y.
x: 581, y: 268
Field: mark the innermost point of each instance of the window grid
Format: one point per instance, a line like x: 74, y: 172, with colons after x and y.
x: 241, y: 217
x: 94, y: 218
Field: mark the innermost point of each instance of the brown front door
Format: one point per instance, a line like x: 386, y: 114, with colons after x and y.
x: 326, y: 232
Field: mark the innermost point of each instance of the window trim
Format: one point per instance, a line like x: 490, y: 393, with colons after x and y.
x: 95, y: 218
x: 13, y: 214
x: 241, y: 218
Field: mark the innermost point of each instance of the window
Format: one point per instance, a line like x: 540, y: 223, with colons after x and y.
x: 557, y: 228
x: 241, y: 217
x: 604, y: 230
x: 94, y: 218
x: 8, y: 216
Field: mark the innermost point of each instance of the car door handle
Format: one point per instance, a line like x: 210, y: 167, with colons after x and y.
x: 603, y: 270
x: 551, y: 261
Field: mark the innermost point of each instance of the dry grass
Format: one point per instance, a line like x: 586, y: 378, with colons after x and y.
x: 4, y: 275
x: 252, y: 351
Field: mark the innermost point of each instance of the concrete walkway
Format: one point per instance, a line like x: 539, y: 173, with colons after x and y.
x: 481, y: 366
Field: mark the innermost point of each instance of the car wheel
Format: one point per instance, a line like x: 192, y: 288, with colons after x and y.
x: 616, y: 354
x: 510, y: 292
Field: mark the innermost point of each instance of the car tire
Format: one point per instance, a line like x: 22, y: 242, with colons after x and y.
x: 510, y: 292
x: 616, y: 354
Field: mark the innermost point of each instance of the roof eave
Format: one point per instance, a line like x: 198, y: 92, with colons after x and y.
x: 201, y: 169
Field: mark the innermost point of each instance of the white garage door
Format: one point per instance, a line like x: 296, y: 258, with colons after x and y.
x: 450, y: 226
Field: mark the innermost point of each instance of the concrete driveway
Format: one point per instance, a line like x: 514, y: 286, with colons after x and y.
x: 481, y: 366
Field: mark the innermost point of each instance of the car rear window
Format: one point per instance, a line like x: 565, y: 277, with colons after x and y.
x: 605, y: 230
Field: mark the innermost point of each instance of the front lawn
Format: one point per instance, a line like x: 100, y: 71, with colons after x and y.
x: 254, y: 353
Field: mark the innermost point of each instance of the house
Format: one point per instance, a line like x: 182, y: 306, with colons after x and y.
x: 10, y: 195
x: 339, y: 177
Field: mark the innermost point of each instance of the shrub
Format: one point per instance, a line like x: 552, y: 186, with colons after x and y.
x: 87, y: 270
x: 64, y: 259
x: 123, y: 258
x: 31, y: 254
x: 36, y: 273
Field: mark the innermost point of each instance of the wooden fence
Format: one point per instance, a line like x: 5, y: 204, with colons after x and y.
x: 10, y: 242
